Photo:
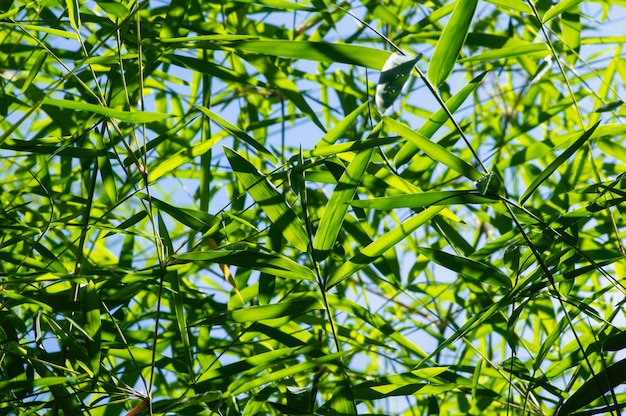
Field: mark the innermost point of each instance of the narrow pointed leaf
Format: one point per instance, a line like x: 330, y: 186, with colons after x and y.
x: 430, y: 127
x: 558, y: 8
x: 284, y: 309
x: 177, y: 299
x: 316, y: 51
x: 337, y: 207
x: 237, y: 132
x: 336, y: 132
x: 269, y: 199
x: 434, y: 150
x: 394, y: 74
x: 342, y: 401
x: 377, y: 248
x: 278, y: 79
x: 91, y: 306
x: 243, y: 385
x: 562, y: 158
x: 425, y: 199
x: 594, y: 388
x: 273, y: 264
x: 539, y: 49
x: 129, y: 116
x: 451, y: 41
x: 73, y: 11
x: 375, y: 321
x: 475, y: 270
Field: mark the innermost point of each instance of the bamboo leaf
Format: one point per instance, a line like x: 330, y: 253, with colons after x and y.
x: 394, y: 74
x: 284, y: 309
x: 237, y: 132
x: 434, y: 150
x: 430, y: 127
x: 538, y: 50
x: 73, y: 11
x: 554, y: 165
x: 559, y: 8
x: 374, y: 250
x: 273, y: 264
x: 316, y: 51
x: 425, y: 199
x: 475, y: 270
x: 336, y: 132
x: 278, y: 79
x: 269, y: 199
x: 91, y: 308
x: 595, y: 387
x: 138, y: 117
x: 451, y: 41
x: 337, y: 206
x: 342, y: 401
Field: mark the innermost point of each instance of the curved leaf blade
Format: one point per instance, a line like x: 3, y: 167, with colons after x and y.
x: 273, y: 264
x: 549, y: 170
x: 315, y: 51
x: 595, y: 387
x: 434, y: 150
x: 337, y: 207
x: 269, y: 199
x: 394, y: 74
x: 377, y: 248
x: 430, y: 127
x: 472, y: 269
x: 138, y: 117
x: 424, y: 199
x: 451, y: 41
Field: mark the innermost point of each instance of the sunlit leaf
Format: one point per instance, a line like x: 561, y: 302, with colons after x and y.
x: 393, y: 76
x: 451, y: 41
x: 269, y: 199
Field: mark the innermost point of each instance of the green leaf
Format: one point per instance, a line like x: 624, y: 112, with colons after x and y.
x: 538, y: 50
x: 73, y: 11
x: 337, y: 206
x: 177, y: 299
x: 434, y: 150
x: 554, y: 165
x: 269, y: 199
x: 430, y: 127
x: 256, y: 403
x: 515, y: 5
x: 595, y: 387
x: 336, y: 132
x: 342, y: 401
x: 243, y: 385
x: 451, y: 41
x: 278, y: 79
x: 138, y: 117
x: 475, y: 270
x: 559, y: 8
x: 92, y: 326
x: 373, y: 251
x: 424, y: 199
x: 194, y: 219
x: 34, y: 70
x: 114, y: 9
x: 394, y: 74
x: 489, y: 184
x: 283, y: 4
x: 609, y: 106
x: 316, y: 51
x: 273, y: 264
x: 237, y: 132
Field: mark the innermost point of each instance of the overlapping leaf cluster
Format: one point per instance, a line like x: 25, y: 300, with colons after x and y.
x: 202, y: 211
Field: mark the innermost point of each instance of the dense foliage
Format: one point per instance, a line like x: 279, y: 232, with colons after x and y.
x: 203, y: 211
